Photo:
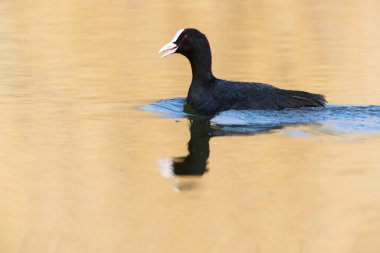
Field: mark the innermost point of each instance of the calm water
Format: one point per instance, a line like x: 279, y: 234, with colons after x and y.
x: 84, y: 169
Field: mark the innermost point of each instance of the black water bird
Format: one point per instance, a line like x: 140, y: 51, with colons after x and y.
x: 209, y: 95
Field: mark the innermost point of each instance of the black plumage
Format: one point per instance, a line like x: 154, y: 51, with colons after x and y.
x: 209, y: 95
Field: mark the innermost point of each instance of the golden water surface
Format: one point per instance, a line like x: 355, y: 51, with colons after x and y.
x: 78, y: 161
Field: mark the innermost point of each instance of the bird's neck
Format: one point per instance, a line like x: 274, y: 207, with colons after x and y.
x: 201, y: 67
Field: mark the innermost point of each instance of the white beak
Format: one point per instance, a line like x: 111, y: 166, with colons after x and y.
x: 168, y: 49
x: 171, y: 47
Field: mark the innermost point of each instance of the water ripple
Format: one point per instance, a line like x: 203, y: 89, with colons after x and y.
x: 332, y: 119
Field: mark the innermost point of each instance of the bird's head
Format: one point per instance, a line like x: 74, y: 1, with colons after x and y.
x: 186, y: 42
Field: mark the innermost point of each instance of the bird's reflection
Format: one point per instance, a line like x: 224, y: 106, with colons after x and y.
x: 195, y: 163
x: 201, y: 131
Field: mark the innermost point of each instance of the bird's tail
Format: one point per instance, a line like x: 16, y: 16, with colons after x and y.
x: 295, y: 99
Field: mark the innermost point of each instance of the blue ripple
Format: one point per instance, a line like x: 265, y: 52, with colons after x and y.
x: 167, y: 108
x: 338, y: 119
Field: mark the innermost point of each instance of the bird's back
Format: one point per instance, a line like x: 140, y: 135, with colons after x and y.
x: 225, y: 95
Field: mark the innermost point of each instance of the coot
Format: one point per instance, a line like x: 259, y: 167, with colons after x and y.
x: 209, y: 95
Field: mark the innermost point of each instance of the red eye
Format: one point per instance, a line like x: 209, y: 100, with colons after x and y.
x: 184, y: 38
